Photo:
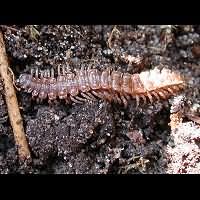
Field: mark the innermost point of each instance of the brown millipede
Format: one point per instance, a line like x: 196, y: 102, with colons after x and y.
x: 110, y: 85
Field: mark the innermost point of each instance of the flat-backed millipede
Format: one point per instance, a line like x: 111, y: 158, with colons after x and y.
x: 110, y: 85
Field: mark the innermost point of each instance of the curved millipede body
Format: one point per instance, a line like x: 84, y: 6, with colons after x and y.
x: 88, y: 84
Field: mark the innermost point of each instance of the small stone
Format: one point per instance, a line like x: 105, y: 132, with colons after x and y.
x: 39, y: 48
x: 196, y: 51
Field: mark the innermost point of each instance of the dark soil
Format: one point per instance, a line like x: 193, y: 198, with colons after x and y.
x: 98, y: 137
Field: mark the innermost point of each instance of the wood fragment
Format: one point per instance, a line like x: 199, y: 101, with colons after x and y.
x: 193, y: 117
x: 10, y: 28
x: 12, y: 104
x: 111, y: 36
x: 175, y: 120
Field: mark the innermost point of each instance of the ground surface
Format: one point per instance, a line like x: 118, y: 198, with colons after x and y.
x: 98, y: 137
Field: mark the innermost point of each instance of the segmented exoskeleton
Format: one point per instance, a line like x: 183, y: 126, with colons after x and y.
x: 110, y: 85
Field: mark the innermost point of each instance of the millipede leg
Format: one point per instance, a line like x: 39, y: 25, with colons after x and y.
x: 137, y: 100
x: 52, y: 73
x: 63, y: 70
x: 144, y: 98
x: 45, y: 73
x: 53, y: 102
x: 156, y: 95
x: 108, y: 96
x: 82, y: 68
x: 118, y: 99
x: 150, y: 97
x: 75, y: 100
x: 81, y: 99
x: 162, y: 94
x: 35, y: 91
x: 48, y: 74
x: 176, y: 87
x: 43, y: 92
x: 37, y: 72
x: 50, y: 102
x: 38, y: 100
x: 182, y: 86
x: 41, y: 74
x: 127, y: 96
x: 34, y: 98
x: 67, y: 101
x: 109, y: 70
x: 98, y: 94
x: 124, y: 101
x: 92, y: 96
x: 88, y: 96
x: 166, y: 92
x: 68, y: 70
x: 58, y: 70
x: 32, y: 72
x: 89, y: 67
x: 170, y: 90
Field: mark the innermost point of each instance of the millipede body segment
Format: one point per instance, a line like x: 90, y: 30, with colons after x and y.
x: 110, y: 85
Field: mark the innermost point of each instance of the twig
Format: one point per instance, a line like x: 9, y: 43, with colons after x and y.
x: 111, y: 36
x: 137, y: 61
x: 77, y: 31
x: 193, y: 117
x: 12, y: 104
x: 10, y: 28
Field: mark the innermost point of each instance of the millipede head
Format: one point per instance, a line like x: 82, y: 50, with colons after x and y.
x: 23, y: 80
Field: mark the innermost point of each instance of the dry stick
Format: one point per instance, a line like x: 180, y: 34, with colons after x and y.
x: 8, y: 27
x: 12, y: 104
x: 111, y: 36
x: 129, y: 59
x: 193, y: 117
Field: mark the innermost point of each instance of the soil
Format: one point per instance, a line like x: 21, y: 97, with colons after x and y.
x: 99, y: 137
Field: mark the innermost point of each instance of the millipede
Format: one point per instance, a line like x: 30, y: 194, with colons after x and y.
x: 92, y: 84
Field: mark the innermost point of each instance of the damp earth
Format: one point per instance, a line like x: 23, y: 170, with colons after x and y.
x: 100, y: 137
